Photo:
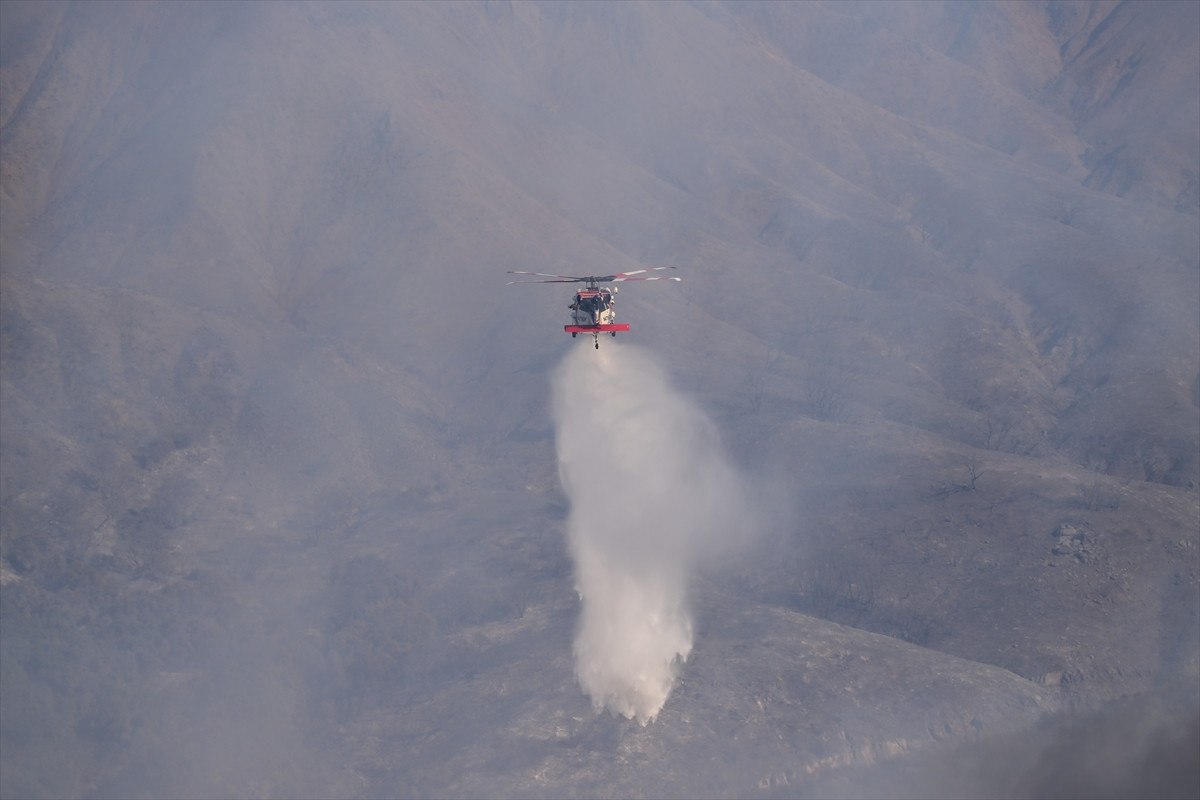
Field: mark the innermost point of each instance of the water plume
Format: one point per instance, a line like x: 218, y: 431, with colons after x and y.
x: 651, y: 495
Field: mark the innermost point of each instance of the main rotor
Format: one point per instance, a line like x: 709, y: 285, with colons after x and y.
x: 593, y: 280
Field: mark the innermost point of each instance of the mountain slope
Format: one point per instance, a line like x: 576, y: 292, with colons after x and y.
x: 278, y: 479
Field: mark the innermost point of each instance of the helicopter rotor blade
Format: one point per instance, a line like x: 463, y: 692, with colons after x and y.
x: 616, y: 277
x: 624, y: 275
x: 546, y: 275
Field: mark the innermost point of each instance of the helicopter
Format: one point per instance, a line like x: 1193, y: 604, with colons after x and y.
x: 592, y: 310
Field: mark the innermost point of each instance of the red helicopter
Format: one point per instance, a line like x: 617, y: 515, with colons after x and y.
x: 592, y: 310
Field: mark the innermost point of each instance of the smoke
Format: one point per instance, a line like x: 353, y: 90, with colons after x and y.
x: 651, y: 496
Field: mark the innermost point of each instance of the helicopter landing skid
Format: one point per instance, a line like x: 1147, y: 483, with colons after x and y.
x: 596, y: 330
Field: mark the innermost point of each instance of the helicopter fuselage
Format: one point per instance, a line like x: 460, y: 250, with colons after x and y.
x: 593, y: 307
x: 592, y: 312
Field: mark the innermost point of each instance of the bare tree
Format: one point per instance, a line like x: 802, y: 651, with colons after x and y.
x: 974, y: 473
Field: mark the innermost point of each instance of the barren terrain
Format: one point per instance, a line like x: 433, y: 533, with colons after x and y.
x: 280, y: 509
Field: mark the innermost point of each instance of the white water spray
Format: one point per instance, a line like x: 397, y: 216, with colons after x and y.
x: 651, y: 493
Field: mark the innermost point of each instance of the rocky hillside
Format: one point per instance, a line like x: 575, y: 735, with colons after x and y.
x: 280, y: 509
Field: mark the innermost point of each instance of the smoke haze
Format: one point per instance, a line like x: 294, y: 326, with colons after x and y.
x: 280, y: 505
x: 651, y: 495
